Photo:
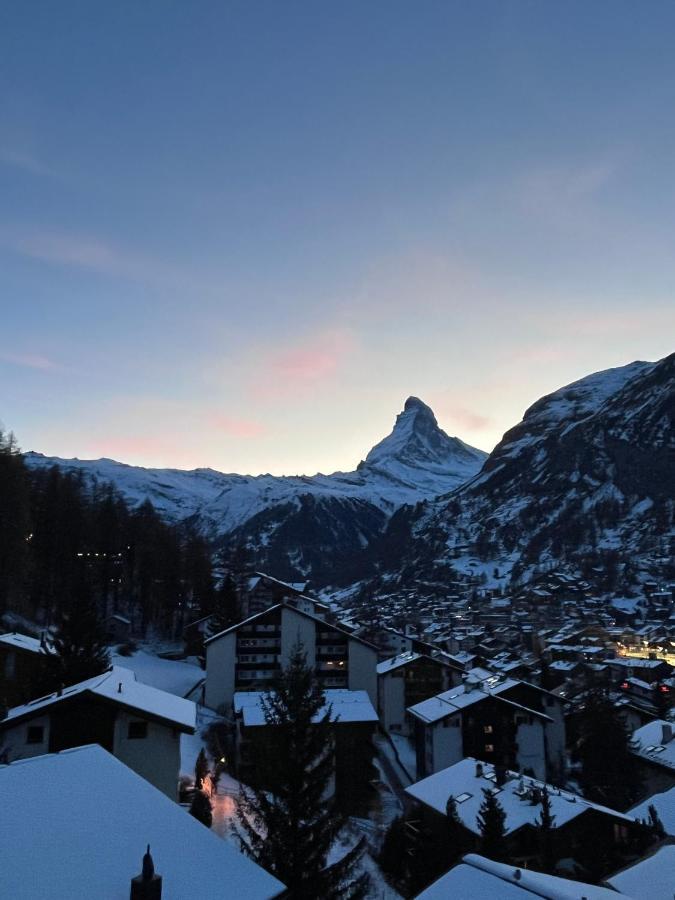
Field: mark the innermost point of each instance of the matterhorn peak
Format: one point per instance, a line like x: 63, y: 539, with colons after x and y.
x: 418, y: 442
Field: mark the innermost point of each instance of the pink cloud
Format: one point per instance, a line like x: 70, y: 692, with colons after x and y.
x: 239, y: 428
x: 461, y: 417
x: 302, y: 366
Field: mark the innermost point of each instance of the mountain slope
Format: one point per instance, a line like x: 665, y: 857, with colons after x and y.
x: 308, y: 525
x: 588, y: 476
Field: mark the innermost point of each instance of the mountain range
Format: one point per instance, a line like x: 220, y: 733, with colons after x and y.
x: 587, y: 476
x: 315, y: 525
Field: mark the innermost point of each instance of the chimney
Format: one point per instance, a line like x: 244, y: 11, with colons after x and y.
x: 147, y: 885
x: 119, y: 688
x: 479, y: 770
x: 666, y: 732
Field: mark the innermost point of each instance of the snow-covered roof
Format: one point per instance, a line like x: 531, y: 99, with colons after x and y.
x: 397, y: 661
x: 77, y: 823
x: 653, y: 876
x: 21, y: 642
x: 118, y: 685
x: 463, y: 782
x: 334, y: 626
x: 655, y: 742
x: 478, y: 878
x: 458, y: 698
x: 664, y: 804
x: 347, y: 706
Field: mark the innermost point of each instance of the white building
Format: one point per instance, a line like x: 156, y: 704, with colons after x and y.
x: 138, y: 724
x: 405, y: 680
x: 250, y: 655
x: 76, y: 825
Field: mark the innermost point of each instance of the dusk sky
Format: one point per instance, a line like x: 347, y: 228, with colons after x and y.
x: 239, y: 235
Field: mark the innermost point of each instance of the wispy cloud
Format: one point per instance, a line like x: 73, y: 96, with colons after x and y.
x: 30, y: 361
x: 86, y: 251
x: 18, y: 158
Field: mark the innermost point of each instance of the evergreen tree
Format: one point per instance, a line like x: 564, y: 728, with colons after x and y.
x: 227, y: 608
x: 609, y: 771
x: 78, y: 650
x: 202, y: 809
x: 14, y: 518
x: 655, y: 824
x: 545, y: 833
x: 393, y: 854
x: 492, y: 823
x: 201, y: 769
x: 288, y: 826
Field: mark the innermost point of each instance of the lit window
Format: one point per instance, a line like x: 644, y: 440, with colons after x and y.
x: 487, y: 729
x: 137, y: 730
x: 489, y: 748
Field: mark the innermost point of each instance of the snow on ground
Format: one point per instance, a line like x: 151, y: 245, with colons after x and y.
x: 406, y: 754
x: 175, y: 676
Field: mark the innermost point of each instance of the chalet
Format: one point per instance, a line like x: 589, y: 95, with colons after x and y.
x: 77, y: 824
x: 478, y: 877
x: 352, y: 734
x: 406, y: 680
x: 250, y: 655
x: 578, y: 823
x: 500, y: 720
x: 21, y: 657
x: 654, y: 746
x: 260, y: 591
x: 138, y: 724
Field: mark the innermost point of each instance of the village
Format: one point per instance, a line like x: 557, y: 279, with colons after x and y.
x: 476, y: 699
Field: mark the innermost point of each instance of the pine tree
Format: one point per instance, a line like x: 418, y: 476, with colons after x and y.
x: 655, y: 824
x: 78, y: 650
x: 201, y: 769
x: 545, y: 832
x: 14, y: 518
x: 492, y: 825
x: 288, y: 826
x: 393, y: 854
x: 227, y: 609
x: 202, y: 809
x: 609, y: 772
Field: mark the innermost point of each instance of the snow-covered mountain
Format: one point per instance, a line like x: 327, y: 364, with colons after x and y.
x: 302, y: 524
x: 586, y: 478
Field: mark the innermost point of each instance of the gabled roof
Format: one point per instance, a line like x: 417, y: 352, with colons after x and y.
x: 119, y: 686
x: 77, y: 823
x: 469, y: 777
x: 479, y: 878
x: 298, y: 612
x: 651, y: 877
x: 452, y: 701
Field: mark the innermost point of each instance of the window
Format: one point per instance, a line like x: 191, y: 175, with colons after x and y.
x: 35, y: 734
x: 137, y: 730
x: 462, y: 797
x: 487, y: 729
x: 489, y: 748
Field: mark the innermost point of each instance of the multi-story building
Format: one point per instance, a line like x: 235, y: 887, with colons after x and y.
x: 406, y: 680
x: 506, y: 722
x: 250, y: 655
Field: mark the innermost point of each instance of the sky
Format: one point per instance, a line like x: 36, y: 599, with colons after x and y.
x: 240, y: 234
